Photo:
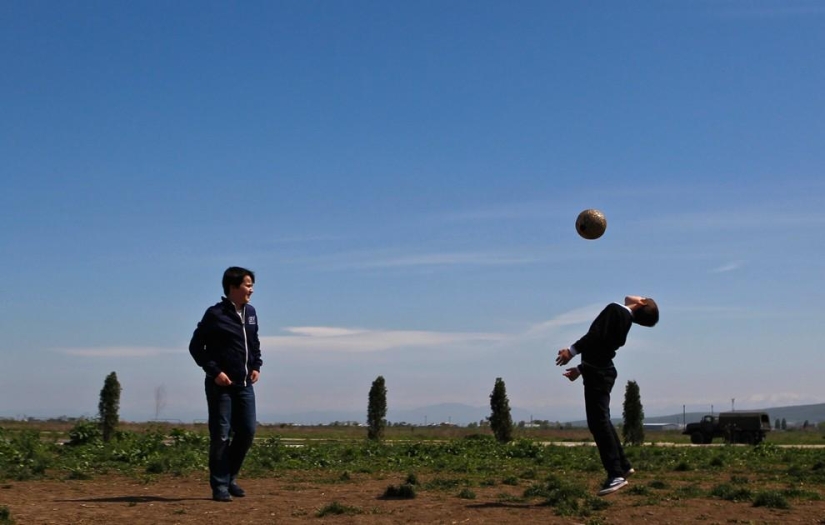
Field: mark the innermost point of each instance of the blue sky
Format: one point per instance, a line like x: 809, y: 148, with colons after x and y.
x: 404, y: 180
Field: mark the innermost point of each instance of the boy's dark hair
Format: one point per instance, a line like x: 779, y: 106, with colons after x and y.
x: 647, y: 314
x: 234, y: 276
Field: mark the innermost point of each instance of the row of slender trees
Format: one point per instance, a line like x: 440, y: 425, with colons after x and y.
x: 501, y: 421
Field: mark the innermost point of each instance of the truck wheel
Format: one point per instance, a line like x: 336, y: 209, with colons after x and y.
x: 697, y: 438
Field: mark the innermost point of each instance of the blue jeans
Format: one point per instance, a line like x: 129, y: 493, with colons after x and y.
x: 232, y: 425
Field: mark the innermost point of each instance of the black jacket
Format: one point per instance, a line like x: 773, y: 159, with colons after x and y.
x: 222, y: 343
x: 606, y: 335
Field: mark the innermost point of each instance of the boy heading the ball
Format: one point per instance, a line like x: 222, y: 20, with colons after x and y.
x: 597, y: 348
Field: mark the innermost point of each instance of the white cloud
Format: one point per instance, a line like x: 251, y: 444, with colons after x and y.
x: 578, y: 316
x: 358, y: 340
x: 117, y: 351
x: 729, y: 267
x: 777, y: 398
x: 736, y: 220
x: 384, y: 259
x: 336, y: 339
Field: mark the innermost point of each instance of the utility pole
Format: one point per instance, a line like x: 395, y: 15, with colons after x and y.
x: 731, y: 404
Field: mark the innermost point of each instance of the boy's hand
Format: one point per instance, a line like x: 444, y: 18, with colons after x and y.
x: 572, y: 373
x: 222, y: 379
x: 564, y: 357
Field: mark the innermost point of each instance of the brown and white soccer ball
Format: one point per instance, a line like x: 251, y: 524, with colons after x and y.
x: 591, y: 224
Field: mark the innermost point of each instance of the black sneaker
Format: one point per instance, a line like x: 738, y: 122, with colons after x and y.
x: 236, y: 490
x: 221, y: 495
x: 612, y: 485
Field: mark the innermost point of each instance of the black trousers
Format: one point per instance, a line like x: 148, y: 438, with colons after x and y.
x: 598, y: 383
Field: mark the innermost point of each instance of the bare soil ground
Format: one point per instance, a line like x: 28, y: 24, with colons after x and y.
x: 297, y: 498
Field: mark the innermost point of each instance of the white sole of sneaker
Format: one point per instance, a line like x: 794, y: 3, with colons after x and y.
x: 612, y: 489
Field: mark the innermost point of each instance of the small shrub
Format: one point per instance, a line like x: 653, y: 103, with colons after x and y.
x: 467, y: 494
x: 412, y: 479
x: 510, y: 480
x: 5, y: 516
x: 657, y: 484
x: 405, y: 491
x: 336, y: 508
x: 682, y: 466
x: 728, y: 492
x: 771, y: 499
x: 344, y: 476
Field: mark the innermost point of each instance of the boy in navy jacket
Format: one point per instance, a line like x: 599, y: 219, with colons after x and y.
x: 226, y: 345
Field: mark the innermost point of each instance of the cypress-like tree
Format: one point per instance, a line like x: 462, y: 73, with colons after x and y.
x: 633, y: 431
x: 500, y: 419
x: 377, y: 410
x: 109, y: 406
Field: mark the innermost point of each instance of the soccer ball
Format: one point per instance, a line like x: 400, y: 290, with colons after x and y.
x: 591, y: 224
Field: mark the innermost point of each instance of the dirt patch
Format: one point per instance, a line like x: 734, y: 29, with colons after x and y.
x: 298, y: 498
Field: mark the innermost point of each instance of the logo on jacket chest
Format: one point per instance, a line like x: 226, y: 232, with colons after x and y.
x: 251, y: 320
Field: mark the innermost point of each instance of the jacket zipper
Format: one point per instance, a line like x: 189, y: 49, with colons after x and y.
x: 242, y: 315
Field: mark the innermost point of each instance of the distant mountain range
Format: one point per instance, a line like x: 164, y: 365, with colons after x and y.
x: 462, y: 415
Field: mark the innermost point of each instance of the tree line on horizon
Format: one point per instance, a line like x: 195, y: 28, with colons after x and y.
x: 500, y: 419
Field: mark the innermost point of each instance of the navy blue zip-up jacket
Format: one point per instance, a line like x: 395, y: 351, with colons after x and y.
x: 222, y: 343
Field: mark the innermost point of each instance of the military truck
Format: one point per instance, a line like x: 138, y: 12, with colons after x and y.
x: 734, y: 427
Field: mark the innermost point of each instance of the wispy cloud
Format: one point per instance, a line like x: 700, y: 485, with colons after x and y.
x: 390, y: 259
x: 777, y: 398
x: 578, y: 316
x: 777, y: 10
x: 729, y: 267
x: 117, y: 351
x: 306, y: 238
x: 736, y: 220
x: 337, y: 339
x: 512, y: 211
x: 360, y: 340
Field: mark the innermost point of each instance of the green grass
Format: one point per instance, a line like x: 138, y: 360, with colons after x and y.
x: 557, y: 476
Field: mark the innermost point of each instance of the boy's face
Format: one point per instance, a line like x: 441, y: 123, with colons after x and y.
x: 240, y: 295
x: 634, y: 301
